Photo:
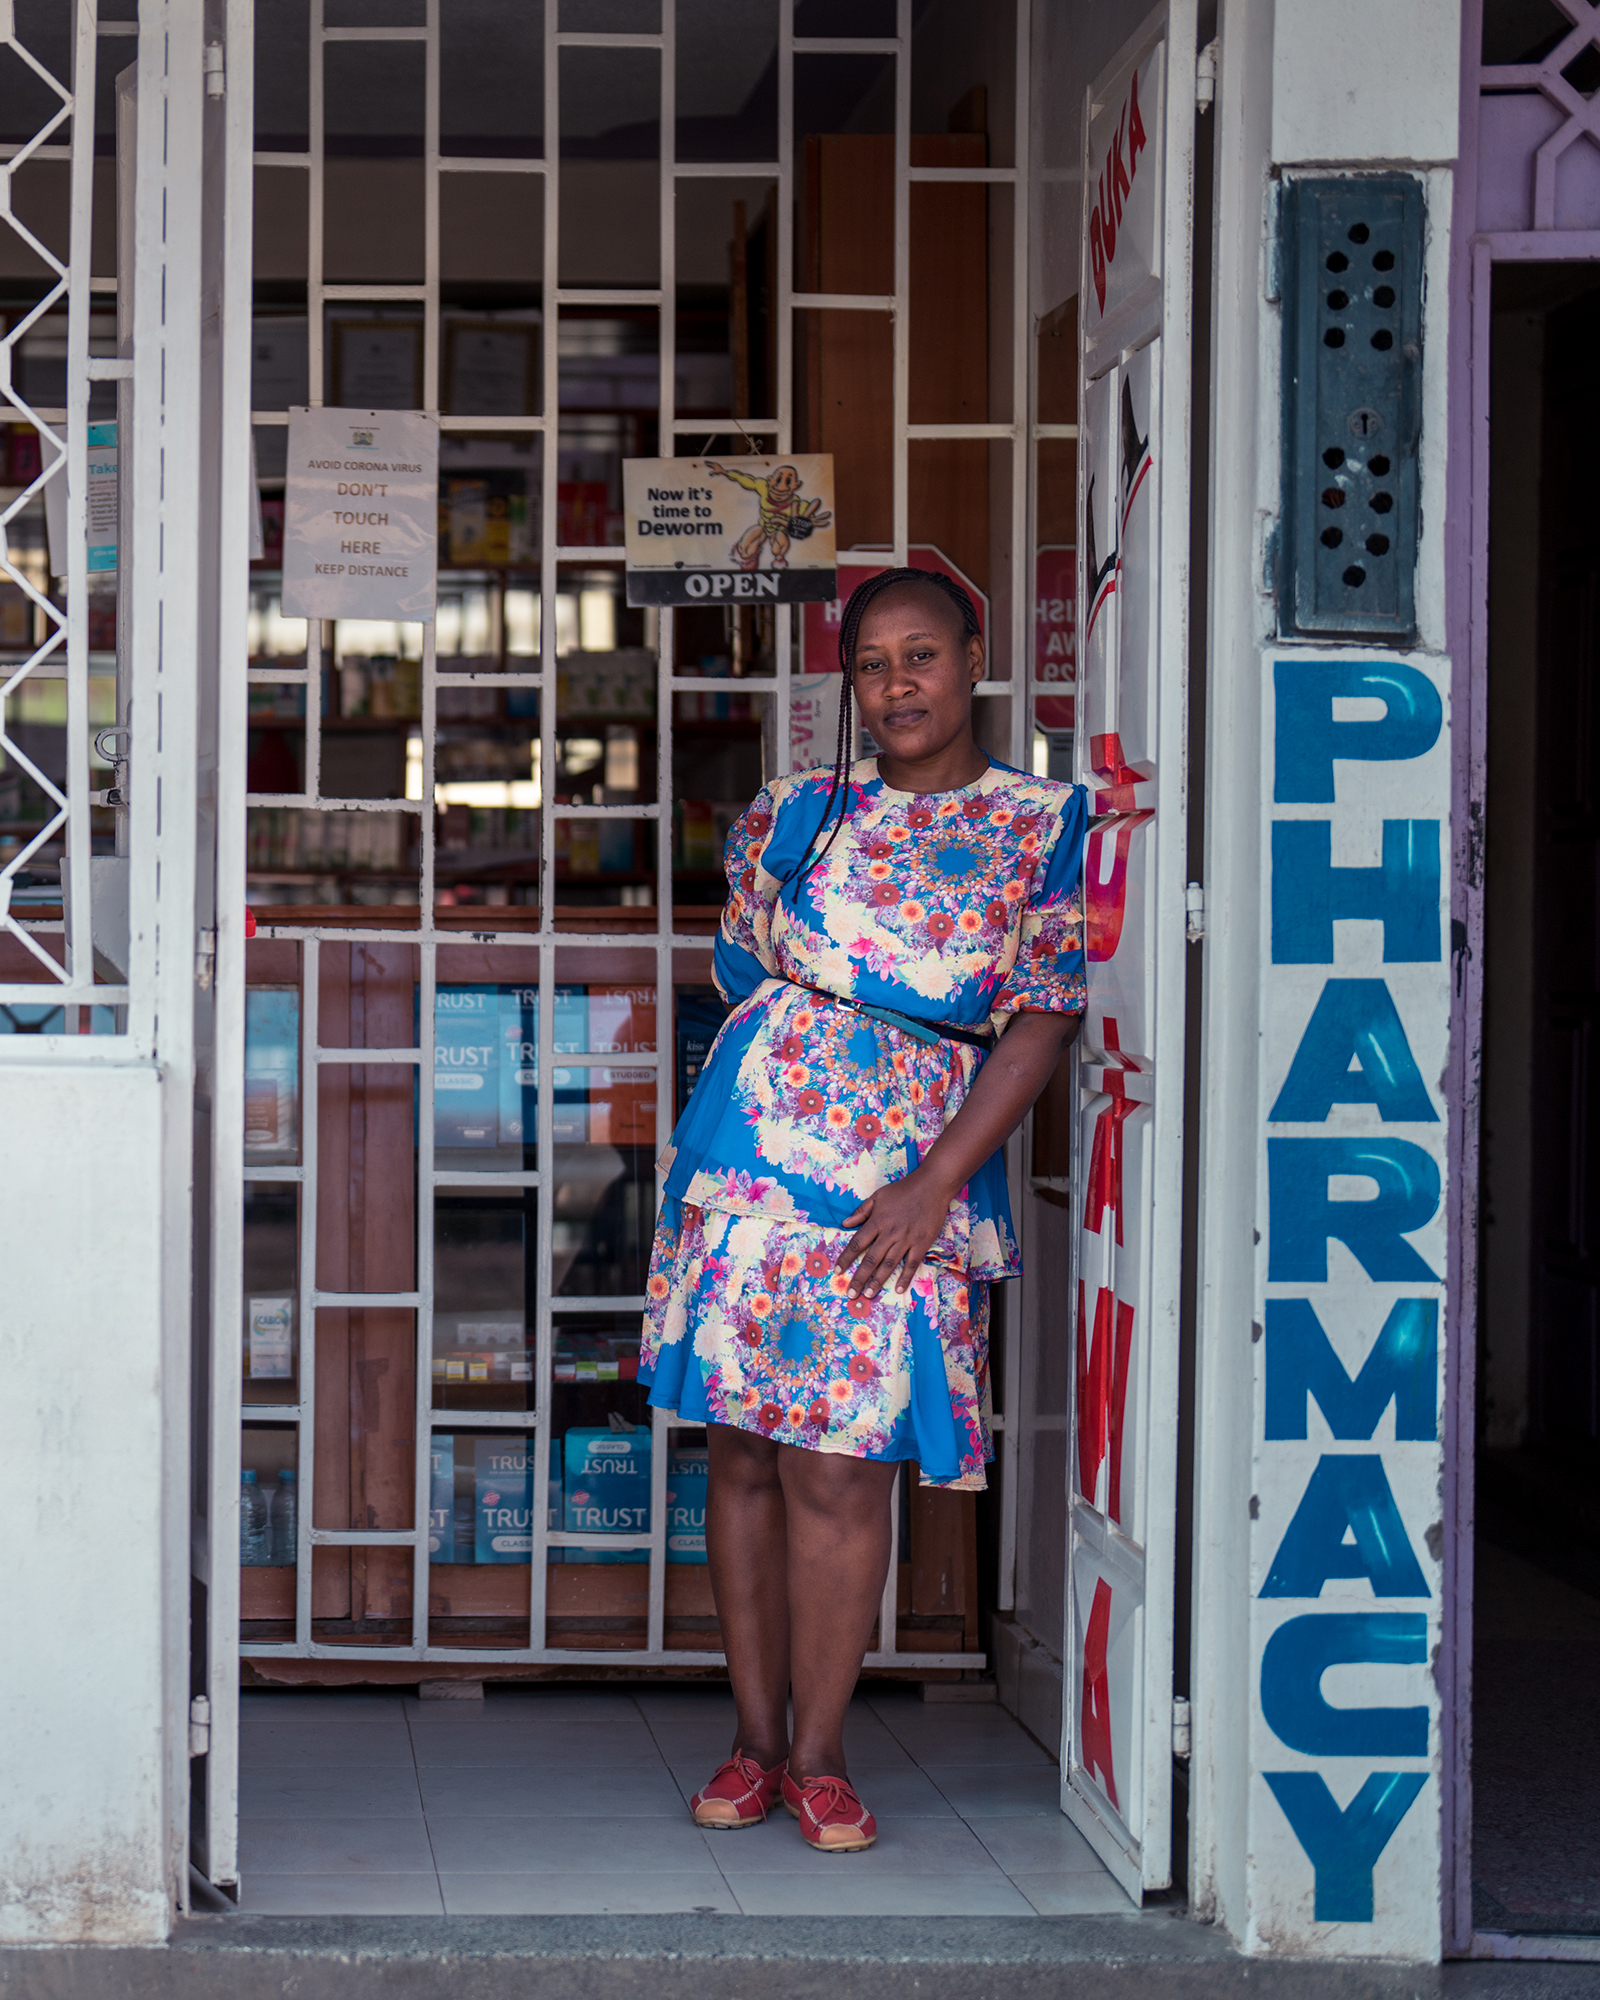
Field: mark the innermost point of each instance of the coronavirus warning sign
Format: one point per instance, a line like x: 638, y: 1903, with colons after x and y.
x: 361, y: 515
x: 730, y: 530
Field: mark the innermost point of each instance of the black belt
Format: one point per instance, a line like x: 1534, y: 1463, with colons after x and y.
x: 922, y: 1031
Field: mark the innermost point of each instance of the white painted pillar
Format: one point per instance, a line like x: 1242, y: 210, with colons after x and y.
x: 1317, y: 1809
x: 82, y: 1661
x: 97, y: 1213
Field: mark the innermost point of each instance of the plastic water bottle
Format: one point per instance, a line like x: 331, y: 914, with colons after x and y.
x: 283, y: 1539
x: 252, y: 1520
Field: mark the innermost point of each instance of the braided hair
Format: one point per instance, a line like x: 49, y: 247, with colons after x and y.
x: 861, y: 601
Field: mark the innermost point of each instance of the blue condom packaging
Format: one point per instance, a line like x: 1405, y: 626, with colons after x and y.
x: 607, y: 1490
x: 467, y: 1075
x: 441, y: 1494
x: 687, y: 1473
x: 504, y: 1518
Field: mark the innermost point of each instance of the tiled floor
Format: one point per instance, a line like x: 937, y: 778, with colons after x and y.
x: 556, y: 1801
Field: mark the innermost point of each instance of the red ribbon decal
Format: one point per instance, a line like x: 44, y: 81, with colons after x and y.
x: 1105, y: 1162
x: 1094, y: 1745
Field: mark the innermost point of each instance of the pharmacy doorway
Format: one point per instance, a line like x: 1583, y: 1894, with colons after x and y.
x: 1536, y: 1644
x: 477, y: 1663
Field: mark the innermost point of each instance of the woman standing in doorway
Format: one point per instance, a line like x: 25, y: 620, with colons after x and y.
x: 836, y: 1202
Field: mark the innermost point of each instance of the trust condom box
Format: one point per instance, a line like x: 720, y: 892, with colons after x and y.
x: 501, y: 1527
x: 441, y: 1495
x: 607, y: 1490
x: 485, y: 1071
x: 687, y: 1472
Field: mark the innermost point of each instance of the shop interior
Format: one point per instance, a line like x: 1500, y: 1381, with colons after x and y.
x: 1536, y: 1648
x: 478, y: 1779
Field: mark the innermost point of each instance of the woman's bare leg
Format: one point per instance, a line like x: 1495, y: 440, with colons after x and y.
x: 838, y: 1522
x: 746, y: 1548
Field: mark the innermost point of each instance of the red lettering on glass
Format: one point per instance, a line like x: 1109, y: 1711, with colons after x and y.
x: 1105, y: 213
x: 1102, y: 1371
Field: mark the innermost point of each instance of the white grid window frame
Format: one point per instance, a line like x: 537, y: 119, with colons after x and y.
x: 1013, y: 645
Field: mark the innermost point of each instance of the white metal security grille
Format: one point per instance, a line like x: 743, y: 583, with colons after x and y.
x: 1011, y: 646
x: 63, y: 652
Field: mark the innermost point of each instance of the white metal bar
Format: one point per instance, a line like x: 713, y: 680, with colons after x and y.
x: 727, y: 170
x: 933, y: 432
x: 228, y: 1173
x: 427, y: 1076
x: 575, y: 38
x: 378, y: 293
x: 468, y: 680
x: 478, y: 1420
x: 1023, y: 562
x: 363, y: 1538
x: 1002, y: 176
x: 607, y: 812
x: 450, y: 1177
x: 848, y: 45
x: 1055, y: 430
x: 316, y: 369
x: 888, y: 302
x: 466, y: 163
x: 168, y: 447
x: 431, y: 398
x: 560, y: 1656
x: 306, y: 1475
x: 308, y: 800
x: 544, y: 1063
x: 475, y: 424
x: 365, y: 1301
x: 783, y: 618
x: 374, y: 34
x: 362, y: 1057
x: 609, y: 295
x: 901, y: 333
x: 725, y: 426
x: 80, y: 370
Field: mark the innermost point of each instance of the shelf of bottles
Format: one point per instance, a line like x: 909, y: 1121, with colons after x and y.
x: 488, y: 783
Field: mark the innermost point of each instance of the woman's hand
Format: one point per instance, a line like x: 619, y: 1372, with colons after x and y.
x: 897, y: 1225
x: 895, y: 1229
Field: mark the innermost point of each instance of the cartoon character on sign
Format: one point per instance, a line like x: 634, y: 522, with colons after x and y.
x: 781, y: 515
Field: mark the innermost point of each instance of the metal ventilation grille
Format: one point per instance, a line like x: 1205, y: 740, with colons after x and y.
x: 1352, y: 388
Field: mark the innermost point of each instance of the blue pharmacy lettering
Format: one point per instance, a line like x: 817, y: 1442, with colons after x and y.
x: 1354, y: 1020
x: 1402, y: 1368
x: 1301, y: 1651
x: 1308, y: 739
x: 1310, y: 895
x: 1347, y: 1494
x: 1343, y: 1847
x: 1302, y: 1217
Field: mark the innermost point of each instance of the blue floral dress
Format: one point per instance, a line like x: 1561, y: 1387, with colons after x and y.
x: 954, y: 908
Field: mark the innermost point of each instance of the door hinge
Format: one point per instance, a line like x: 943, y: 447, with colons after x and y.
x: 1205, y: 77
x: 205, y: 960
x: 1180, y: 1726
x: 1194, y: 912
x: 200, y: 1725
x: 211, y: 69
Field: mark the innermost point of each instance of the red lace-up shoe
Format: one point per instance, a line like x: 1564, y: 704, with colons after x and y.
x: 740, y: 1793
x: 831, y: 1817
